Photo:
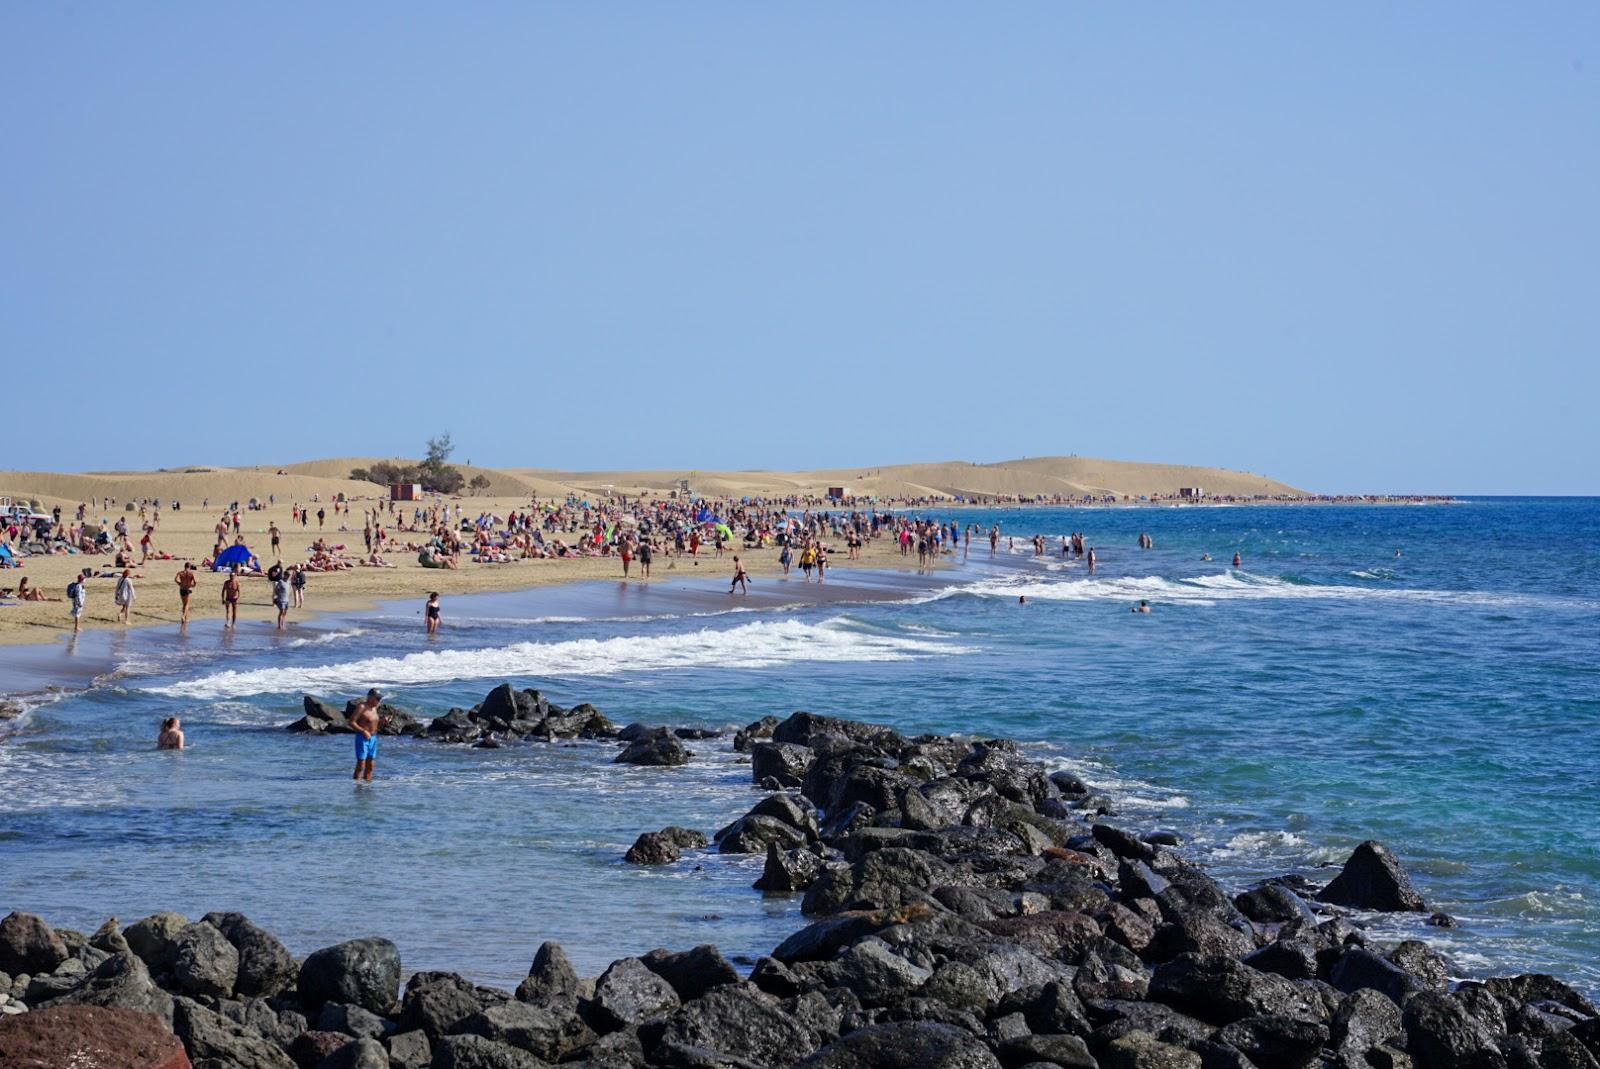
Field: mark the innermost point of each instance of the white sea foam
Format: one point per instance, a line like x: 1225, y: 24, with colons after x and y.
x: 755, y: 645
x: 327, y: 637
x: 1210, y: 589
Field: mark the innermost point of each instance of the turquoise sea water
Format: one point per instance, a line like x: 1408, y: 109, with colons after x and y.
x: 1446, y: 700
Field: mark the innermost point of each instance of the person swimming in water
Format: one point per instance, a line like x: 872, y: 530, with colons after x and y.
x: 171, y: 736
x: 1238, y: 561
x: 1143, y: 606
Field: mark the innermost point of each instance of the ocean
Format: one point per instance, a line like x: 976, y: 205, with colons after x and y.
x: 1425, y: 675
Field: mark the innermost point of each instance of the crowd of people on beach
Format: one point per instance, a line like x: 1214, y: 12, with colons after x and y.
x: 640, y: 533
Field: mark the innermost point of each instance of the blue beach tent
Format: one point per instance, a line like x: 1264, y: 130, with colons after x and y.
x: 239, y: 555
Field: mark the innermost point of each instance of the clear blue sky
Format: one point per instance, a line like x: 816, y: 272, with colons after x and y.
x: 1354, y: 246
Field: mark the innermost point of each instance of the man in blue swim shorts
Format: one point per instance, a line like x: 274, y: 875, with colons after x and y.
x: 365, y: 722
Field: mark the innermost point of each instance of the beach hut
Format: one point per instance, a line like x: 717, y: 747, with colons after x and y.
x: 405, y: 491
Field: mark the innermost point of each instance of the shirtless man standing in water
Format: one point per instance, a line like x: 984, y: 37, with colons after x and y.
x: 366, y: 722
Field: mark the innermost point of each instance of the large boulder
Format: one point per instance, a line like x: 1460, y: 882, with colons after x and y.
x: 500, y: 704
x: 1358, y: 968
x: 552, y: 981
x: 626, y: 994
x: 212, y: 1037
x: 652, y: 848
x: 70, y: 1037
x: 1441, y: 1034
x: 788, y: 871
x: 1373, y: 878
x: 1273, y: 903
x: 149, y: 937
x: 1141, y: 1050
x: 1364, y: 1019
x: 877, y: 975
x: 782, y: 762
x: 363, y: 1053
x: 409, y: 1050
x: 536, y: 1029
x: 477, y: 1052
x: 751, y: 833
x: 362, y: 972
x: 1273, y: 1040
x: 1221, y: 990
x: 692, y: 972
x: 29, y: 945
x: 660, y: 750
x: 202, y: 961
x: 266, y: 967
x: 738, y: 1021
x: 906, y: 1045
x: 435, y: 1002
x: 119, y: 982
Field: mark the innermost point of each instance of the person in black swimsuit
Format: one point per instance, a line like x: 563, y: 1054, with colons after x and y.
x: 431, y: 611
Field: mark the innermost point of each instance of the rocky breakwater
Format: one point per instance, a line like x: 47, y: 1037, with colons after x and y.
x: 509, y: 715
x: 970, y: 910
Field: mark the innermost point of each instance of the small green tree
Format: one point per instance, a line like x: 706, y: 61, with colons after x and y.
x: 479, y: 483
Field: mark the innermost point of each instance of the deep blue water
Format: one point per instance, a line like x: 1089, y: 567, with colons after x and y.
x: 1446, y: 700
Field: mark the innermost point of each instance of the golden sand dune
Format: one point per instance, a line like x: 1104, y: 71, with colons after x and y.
x: 1049, y: 476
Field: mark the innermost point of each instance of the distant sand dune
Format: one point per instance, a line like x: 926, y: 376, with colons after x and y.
x: 1070, y: 476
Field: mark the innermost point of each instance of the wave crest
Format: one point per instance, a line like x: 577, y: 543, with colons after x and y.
x: 756, y: 645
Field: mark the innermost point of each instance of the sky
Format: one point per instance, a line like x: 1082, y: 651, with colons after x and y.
x: 1352, y: 246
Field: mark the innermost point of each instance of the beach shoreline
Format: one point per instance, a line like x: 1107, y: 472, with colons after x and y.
x: 44, y: 668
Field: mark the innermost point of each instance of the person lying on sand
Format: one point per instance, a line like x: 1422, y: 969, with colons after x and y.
x: 25, y: 592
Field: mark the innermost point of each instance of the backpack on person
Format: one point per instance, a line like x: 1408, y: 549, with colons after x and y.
x: 72, y: 590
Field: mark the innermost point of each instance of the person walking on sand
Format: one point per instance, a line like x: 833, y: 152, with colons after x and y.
x: 277, y: 538
x: 280, y: 598
x: 78, y: 599
x: 186, y: 580
x: 171, y: 735
x: 230, y: 598
x: 124, y: 594
x: 741, y: 579
x: 365, y: 722
x: 430, y: 611
x: 646, y: 554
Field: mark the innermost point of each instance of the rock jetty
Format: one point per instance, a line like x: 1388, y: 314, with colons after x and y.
x: 968, y: 909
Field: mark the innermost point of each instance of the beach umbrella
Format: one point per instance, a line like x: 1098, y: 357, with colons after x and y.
x: 722, y: 529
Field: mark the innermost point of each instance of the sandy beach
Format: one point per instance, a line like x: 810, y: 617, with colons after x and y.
x: 204, y: 492
x: 189, y: 534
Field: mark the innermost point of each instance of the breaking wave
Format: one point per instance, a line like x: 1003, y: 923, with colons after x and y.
x: 1225, y: 586
x: 755, y: 645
